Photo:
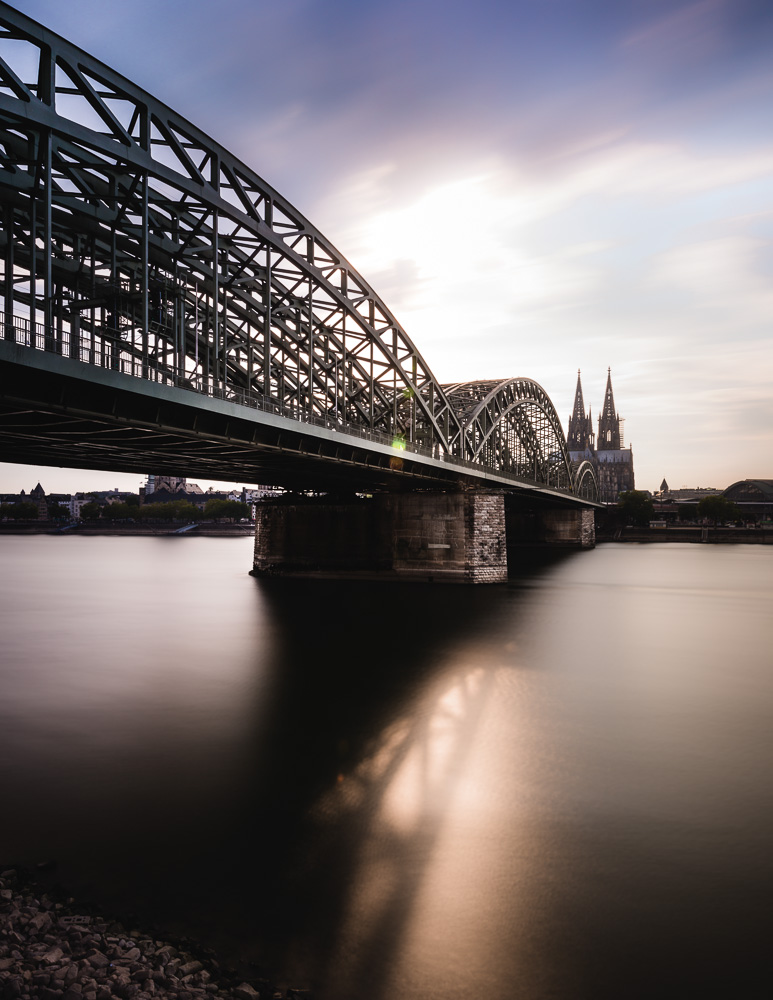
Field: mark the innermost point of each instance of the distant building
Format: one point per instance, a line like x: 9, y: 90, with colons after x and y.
x: 611, y: 460
x: 172, y: 485
x: 38, y: 497
x: 255, y: 493
x: 686, y: 492
x: 75, y: 505
x: 754, y: 498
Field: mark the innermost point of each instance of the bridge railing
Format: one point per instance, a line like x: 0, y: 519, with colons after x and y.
x: 100, y: 353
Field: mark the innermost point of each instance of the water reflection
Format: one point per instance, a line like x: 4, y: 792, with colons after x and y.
x: 381, y: 735
x: 544, y: 790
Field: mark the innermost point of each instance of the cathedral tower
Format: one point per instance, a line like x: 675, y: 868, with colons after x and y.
x: 580, y: 436
x: 609, y: 421
x: 615, y: 463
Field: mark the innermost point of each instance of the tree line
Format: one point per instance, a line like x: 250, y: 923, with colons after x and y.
x: 638, y: 509
x: 175, y: 510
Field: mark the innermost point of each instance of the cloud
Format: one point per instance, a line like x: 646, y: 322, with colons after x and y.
x: 722, y: 277
x: 692, y: 30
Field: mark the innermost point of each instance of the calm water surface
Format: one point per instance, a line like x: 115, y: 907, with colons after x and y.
x: 556, y: 789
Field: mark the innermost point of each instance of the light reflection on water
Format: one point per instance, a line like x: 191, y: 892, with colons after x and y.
x: 558, y: 788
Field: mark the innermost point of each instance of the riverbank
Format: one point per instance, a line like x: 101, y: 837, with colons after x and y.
x: 51, y: 948
x: 208, y: 529
x: 697, y: 534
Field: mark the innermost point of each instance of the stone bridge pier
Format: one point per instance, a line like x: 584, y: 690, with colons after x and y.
x: 459, y: 537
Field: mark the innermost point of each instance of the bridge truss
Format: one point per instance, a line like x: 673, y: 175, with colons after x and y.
x: 132, y: 241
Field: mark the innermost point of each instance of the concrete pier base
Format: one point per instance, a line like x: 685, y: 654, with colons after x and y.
x: 443, y: 537
x: 569, y: 527
x: 528, y: 526
x: 452, y: 537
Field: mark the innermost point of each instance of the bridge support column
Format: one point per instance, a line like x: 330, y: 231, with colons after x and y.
x: 575, y: 528
x: 442, y: 537
x: 328, y: 536
x: 452, y: 537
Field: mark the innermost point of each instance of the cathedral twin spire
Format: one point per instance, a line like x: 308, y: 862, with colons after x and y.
x: 581, y: 436
x: 612, y: 464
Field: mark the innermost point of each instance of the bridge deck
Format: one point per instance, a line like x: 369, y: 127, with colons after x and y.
x: 56, y: 411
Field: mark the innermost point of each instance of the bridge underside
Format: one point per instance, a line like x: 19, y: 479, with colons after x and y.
x: 431, y: 519
x: 53, y: 414
x: 59, y: 412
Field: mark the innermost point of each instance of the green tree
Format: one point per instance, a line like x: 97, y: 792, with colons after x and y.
x: 90, y: 511
x: 636, y: 507
x: 186, y: 511
x: 57, y: 512
x: 232, y: 510
x: 22, y: 511
x: 174, y: 510
x: 718, y: 508
x: 153, y: 512
x: 118, y: 511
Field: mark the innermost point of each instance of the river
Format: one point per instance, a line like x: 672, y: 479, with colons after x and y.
x: 558, y: 788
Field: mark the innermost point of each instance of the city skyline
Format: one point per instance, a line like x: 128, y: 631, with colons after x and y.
x: 531, y: 189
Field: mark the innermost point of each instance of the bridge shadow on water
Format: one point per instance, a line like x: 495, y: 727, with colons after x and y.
x: 372, y: 713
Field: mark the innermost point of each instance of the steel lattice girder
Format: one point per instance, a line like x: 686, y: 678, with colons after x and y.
x: 135, y: 239
x: 513, y: 423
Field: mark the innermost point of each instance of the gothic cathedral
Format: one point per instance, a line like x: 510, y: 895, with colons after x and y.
x: 612, y: 462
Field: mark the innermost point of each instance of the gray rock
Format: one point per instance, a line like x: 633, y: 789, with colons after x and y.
x: 246, y: 992
x: 188, y: 968
x: 71, y: 973
x: 41, y: 921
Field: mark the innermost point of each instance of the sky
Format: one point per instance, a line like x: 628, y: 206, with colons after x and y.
x: 532, y: 187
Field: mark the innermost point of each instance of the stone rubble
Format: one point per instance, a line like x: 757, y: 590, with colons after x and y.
x: 51, y: 951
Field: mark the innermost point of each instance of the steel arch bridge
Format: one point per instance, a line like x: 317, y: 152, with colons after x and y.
x: 133, y: 242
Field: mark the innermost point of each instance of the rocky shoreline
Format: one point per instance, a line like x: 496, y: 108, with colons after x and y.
x: 51, y: 948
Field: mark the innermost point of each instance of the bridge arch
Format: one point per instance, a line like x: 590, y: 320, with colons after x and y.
x: 586, y: 484
x: 511, y: 425
x: 156, y: 250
